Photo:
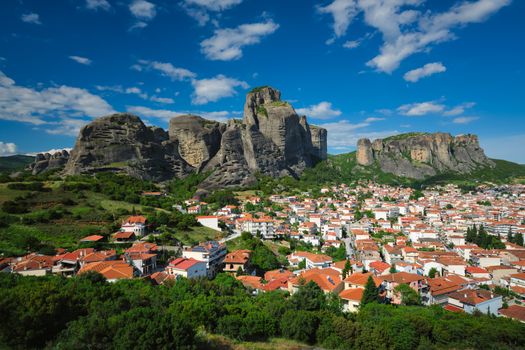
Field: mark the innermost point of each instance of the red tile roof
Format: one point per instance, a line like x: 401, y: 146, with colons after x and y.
x: 352, y: 294
x: 514, y: 311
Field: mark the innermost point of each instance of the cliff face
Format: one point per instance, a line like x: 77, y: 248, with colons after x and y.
x: 122, y: 141
x: 46, y: 161
x: 420, y: 155
x: 271, y: 139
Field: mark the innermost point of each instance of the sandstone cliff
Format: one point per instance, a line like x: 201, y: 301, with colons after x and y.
x: 271, y: 139
x: 419, y: 155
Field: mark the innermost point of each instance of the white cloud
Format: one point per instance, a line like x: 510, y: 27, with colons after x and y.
x: 166, y: 69
x: 165, y: 114
x: 343, y: 135
x: 138, y: 25
x: 407, y: 31
x: 464, y: 120
x: 459, y: 109
x: 199, y: 9
x: 7, y: 148
x: 322, y: 110
x: 213, y: 89
x: 373, y: 119
x: 419, y: 109
x: 135, y: 91
x: 49, y: 106
x: 98, y: 5
x: 425, y: 71
x: 343, y: 12
x: 143, y: 10
x: 33, y: 18
x: 5, y: 80
x: 226, y: 44
x: 165, y: 100
x: 50, y: 151
x: 214, y: 5
x: 351, y: 44
x: 82, y: 60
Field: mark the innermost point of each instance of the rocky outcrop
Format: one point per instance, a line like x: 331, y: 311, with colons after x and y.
x: 419, y: 155
x: 122, y: 142
x: 46, y: 161
x: 271, y: 139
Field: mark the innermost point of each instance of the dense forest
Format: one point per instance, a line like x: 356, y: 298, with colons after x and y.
x: 86, y: 312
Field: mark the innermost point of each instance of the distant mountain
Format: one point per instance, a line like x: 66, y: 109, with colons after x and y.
x: 15, y: 163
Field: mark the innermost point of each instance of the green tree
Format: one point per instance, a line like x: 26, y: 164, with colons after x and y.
x: 371, y: 292
x: 347, y: 269
x: 309, y: 297
x: 300, y: 325
x: 518, y: 239
x: 408, y: 295
x: 432, y: 272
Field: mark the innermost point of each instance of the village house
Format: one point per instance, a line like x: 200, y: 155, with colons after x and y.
x: 311, y: 260
x: 188, y: 268
x: 470, y: 300
x: 135, y: 224
x: 211, y: 252
x: 113, y: 270
x: 237, y: 260
x: 390, y: 282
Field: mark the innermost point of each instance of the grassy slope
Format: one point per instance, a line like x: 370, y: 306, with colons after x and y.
x: 14, y: 163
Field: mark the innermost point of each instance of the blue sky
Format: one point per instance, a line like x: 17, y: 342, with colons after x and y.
x: 360, y: 68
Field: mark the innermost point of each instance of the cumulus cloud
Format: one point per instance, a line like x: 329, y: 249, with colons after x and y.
x: 351, y: 44
x: 226, y: 44
x: 373, y: 119
x: 144, y: 11
x: 322, y: 110
x: 33, y: 18
x: 7, y: 148
x: 56, y: 107
x: 343, y: 135
x: 164, y: 100
x: 165, y: 114
x: 200, y: 9
x: 406, y: 27
x: 82, y: 60
x: 343, y: 12
x: 213, y: 89
x: 165, y: 69
x: 134, y: 90
x: 464, y: 120
x: 420, y: 109
x: 98, y: 5
x: 425, y: 71
x: 214, y: 5
x: 459, y: 109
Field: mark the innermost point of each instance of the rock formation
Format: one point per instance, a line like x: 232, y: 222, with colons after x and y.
x: 46, y: 161
x: 271, y: 139
x: 122, y: 141
x: 419, y: 155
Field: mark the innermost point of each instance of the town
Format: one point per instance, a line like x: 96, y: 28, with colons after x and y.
x: 463, y: 251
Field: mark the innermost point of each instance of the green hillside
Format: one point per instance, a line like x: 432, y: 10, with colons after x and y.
x: 14, y: 163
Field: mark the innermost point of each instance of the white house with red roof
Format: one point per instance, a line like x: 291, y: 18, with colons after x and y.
x: 188, y: 268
